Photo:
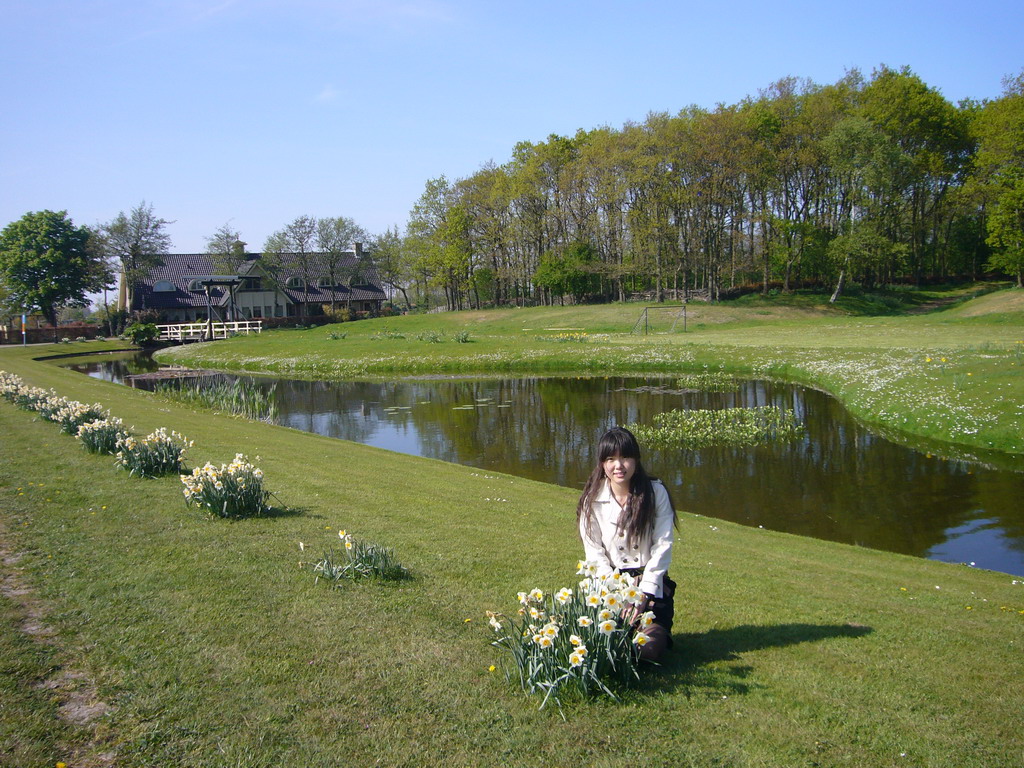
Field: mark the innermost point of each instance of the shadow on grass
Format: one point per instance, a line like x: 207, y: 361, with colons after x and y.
x: 689, y: 664
x: 275, y: 512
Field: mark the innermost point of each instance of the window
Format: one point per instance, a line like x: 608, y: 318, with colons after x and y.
x: 195, y: 285
x: 323, y: 282
x: 163, y: 286
x: 294, y: 282
x: 251, y: 284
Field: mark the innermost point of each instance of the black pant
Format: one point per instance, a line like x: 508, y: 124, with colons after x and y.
x: 664, y: 607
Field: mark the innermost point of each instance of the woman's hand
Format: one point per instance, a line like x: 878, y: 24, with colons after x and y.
x: 631, y: 613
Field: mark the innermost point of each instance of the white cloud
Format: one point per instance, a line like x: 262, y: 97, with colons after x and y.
x: 327, y: 94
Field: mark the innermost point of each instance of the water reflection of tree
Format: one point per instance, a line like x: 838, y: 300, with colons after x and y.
x: 336, y: 409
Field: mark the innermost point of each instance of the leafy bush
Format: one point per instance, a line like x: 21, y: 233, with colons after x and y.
x: 156, y: 454
x: 235, y: 490
x: 462, y: 337
x: 338, y: 314
x: 141, y: 333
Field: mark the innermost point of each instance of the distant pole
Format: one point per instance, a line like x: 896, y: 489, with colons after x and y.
x: 24, y: 332
x: 209, y: 313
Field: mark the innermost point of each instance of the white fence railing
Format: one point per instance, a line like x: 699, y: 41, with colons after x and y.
x: 200, y: 331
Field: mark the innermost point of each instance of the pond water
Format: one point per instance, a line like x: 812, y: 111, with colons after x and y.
x: 840, y: 481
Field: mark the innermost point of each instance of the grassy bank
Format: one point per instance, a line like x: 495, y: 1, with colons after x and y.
x: 952, y: 375
x: 212, y: 647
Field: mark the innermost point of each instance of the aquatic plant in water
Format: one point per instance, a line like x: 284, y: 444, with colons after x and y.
x: 727, y: 426
x: 711, y: 381
x: 240, y: 397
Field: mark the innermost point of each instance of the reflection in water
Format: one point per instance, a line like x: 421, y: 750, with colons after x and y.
x: 839, y: 482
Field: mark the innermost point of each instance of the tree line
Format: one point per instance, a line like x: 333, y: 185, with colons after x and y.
x: 878, y: 180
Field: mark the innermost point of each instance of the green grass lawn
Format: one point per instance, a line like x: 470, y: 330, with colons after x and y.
x: 952, y: 376
x: 212, y: 647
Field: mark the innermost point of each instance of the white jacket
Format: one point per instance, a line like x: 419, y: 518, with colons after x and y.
x: 604, y: 545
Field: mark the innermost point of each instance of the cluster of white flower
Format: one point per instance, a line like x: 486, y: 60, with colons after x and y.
x: 231, y: 490
x: 158, y: 453
x: 14, y: 390
x: 74, y: 414
x: 10, y: 386
x: 578, y: 637
x: 102, y: 435
x: 69, y: 414
x: 47, y: 405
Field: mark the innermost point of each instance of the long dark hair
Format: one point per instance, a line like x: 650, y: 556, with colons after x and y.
x: 637, y: 518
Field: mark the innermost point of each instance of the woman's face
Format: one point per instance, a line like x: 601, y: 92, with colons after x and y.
x: 619, y: 470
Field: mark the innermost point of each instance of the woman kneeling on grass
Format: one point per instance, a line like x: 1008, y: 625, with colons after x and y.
x: 626, y: 519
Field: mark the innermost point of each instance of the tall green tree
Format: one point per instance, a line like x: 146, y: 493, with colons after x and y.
x: 487, y: 197
x: 137, y: 242
x: 1006, y: 231
x: 226, y: 249
x: 334, y: 237
x: 1000, y: 175
x: 46, y: 263
x: 934, y: 141
x: 298, y: 239
x: 439, y: 235
x: 569, y: 270
x: 863, y: 248
x: 391, y: 260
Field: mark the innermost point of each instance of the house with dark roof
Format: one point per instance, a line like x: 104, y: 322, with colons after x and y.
x: 187, y: 288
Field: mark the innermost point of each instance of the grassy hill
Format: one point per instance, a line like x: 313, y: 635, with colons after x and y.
x: 136, y: 632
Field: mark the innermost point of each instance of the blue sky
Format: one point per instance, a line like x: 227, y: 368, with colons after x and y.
x: 254, y: 112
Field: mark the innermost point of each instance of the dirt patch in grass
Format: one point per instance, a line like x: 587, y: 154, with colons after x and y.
x: 79, y: 703
x: 1000, y: 302
x: 932, y: 306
